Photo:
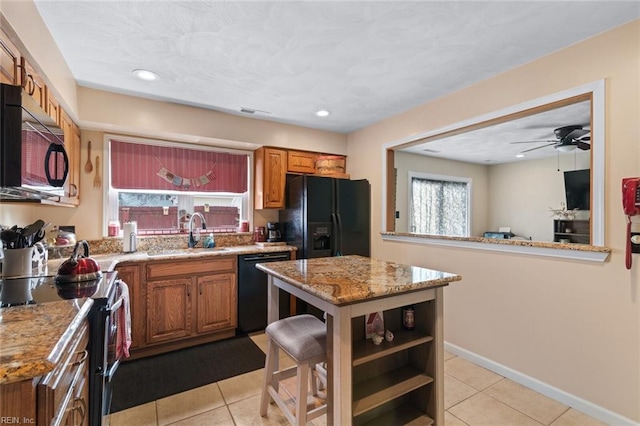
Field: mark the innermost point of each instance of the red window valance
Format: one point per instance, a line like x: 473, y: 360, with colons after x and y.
x: 140, y: 166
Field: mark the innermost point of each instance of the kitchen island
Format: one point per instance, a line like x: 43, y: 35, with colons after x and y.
x: 391, y: 383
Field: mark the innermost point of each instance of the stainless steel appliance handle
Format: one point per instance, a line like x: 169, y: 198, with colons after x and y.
x: 117, y: 304
x: 267, y: 257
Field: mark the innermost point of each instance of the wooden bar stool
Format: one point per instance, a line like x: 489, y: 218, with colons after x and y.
x: 303, y: 338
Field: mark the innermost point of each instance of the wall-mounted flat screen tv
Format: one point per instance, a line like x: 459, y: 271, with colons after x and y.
x: 577, y: 188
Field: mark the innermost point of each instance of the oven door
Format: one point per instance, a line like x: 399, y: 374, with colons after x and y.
x: 115, y: 318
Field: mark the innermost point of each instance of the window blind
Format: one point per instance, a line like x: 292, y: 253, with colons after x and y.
x: 139, y: 166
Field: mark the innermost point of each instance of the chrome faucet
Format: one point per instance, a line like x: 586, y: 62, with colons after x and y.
x: 192, y: 241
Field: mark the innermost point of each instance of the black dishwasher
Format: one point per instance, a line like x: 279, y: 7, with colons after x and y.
x: 252, y: 291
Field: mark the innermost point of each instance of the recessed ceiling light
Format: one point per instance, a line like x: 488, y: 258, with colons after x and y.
x: 145, y: 75
x: 322, y: 113
x: 520, y: 156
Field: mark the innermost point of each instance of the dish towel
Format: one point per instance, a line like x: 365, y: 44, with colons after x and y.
x: 123, y: 319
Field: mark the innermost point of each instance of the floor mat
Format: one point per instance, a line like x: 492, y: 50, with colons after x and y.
x: 144, y: 380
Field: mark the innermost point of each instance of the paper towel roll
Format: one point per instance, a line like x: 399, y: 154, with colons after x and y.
x: 129, y: 237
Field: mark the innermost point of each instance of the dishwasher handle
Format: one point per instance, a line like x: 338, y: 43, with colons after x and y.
x: 266, y: 258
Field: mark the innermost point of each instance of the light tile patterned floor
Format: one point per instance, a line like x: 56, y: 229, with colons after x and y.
x: 473, y: 396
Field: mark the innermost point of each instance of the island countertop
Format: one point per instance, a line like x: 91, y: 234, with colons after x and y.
x: 349, y: 279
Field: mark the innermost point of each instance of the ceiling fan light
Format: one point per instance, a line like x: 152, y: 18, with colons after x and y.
x: 566, y: 148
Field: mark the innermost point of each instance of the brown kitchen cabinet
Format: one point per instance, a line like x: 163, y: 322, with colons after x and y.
x: 53, y: 106
x: 169, y: 309
x: 301, y: 162
x: 217, y: 303
x: 33, y: 83
x: 181, y: 303
x: 72, y: 147
x: 9, y: 61
x: 270, y: 177
x: 130, y: 274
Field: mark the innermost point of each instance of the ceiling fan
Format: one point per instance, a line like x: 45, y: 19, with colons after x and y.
x: 568, y: 138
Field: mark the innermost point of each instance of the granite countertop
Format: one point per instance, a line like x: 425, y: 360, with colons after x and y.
x: 109, y: 261
x: 35, y: 336
x: 350, y: 279
x: 508, y: 242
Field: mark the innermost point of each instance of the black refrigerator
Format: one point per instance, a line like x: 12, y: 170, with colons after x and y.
x: 326, y: 216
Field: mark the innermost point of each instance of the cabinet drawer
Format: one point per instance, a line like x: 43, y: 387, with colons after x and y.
x: 301, y: 162
x: 203, y: 265
x: 55, y: 391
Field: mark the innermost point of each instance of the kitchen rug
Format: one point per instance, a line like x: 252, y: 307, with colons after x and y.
x: 144, y: 380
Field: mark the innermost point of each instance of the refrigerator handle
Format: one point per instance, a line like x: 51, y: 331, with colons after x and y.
x: 339, y: 233
x: 335, y: 249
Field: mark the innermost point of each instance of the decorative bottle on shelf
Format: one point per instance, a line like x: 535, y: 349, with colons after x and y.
x: 408, y: 319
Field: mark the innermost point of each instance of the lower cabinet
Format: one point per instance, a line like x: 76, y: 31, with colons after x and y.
x: 180, y: 303
x: 59, y: 398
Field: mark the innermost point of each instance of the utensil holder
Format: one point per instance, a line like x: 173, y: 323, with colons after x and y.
x: 17, y: 262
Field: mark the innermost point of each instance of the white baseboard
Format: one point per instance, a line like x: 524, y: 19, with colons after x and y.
x: 589, y: 408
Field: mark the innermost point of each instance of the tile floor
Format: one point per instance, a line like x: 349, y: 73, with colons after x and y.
x: 473, y: 396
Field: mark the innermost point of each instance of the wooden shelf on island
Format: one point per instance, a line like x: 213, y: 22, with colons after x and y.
x: 378, y: 390
x: 402, y: 415
x: 365, y: 351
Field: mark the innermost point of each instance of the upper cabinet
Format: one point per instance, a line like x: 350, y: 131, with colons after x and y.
x: 72, y: 147
x: 9, y: 61
x: 270, y: 175
x: 53, y: 107
x: 33, y: 83
x: 271, y: 168
x: 301, y: 162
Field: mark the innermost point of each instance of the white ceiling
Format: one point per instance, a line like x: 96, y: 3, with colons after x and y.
x: 363, y: 61
x: 495, y: 144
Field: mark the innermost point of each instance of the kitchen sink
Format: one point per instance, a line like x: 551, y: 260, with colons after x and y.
x: 183, y: 251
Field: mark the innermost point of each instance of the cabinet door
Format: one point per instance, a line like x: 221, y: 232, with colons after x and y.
x: 217, y: 305
x: 33, y: 84
x: 168, y: 309
x: 271, y: 171
x: 9, y: 61
x: 301, y: 162
x: 53, y: 106
x: 72, y: 147
x: 137, y: 303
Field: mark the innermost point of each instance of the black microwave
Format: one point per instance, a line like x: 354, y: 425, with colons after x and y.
x: 33, y: 163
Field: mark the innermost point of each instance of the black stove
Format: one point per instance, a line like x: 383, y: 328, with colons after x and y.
x: 44, y: 288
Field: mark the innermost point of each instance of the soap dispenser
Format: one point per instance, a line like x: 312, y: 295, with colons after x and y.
x: 209, y: 242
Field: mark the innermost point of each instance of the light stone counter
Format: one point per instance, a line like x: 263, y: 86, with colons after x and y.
x: 351, y: 279
x: 33, y: 337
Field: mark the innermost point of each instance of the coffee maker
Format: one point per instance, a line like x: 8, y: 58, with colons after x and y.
x: 273, y: 232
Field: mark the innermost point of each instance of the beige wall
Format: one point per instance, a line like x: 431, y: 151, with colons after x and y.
x: 520, y: 194
x: 573, y: 325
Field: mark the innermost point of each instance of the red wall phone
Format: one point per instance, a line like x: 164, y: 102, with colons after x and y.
x: 631, y: 206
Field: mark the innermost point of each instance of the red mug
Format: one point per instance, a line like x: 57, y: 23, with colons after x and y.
x: 259, y: 234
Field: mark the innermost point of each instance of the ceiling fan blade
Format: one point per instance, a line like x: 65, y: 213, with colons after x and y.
x: 577, y: 133
x: 583, y: 146
x: 537, y: 147
x: 545, y: 141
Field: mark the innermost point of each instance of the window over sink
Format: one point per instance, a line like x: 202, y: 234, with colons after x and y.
x: 160, y: 184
